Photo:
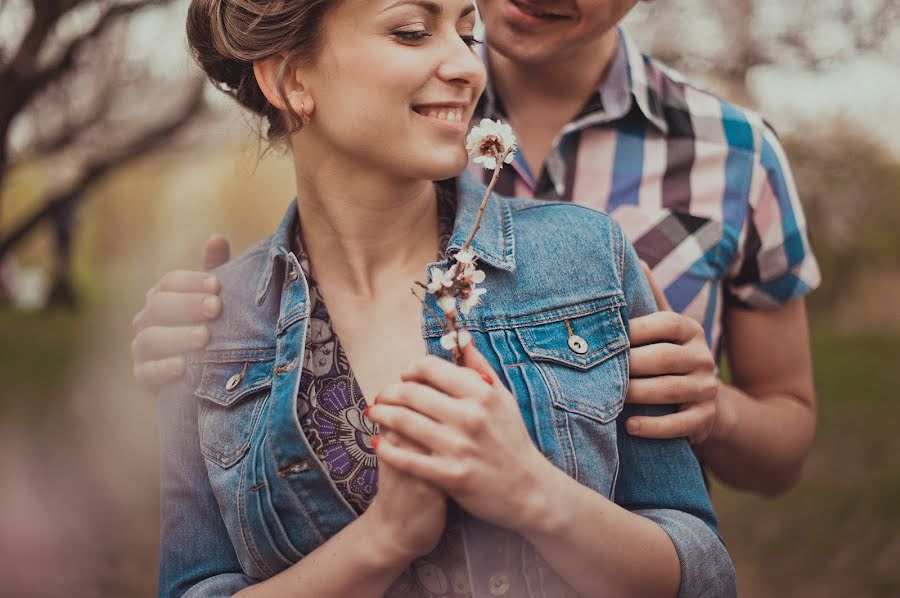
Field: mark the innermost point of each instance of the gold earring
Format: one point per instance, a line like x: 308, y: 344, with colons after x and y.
x: 304, y: 118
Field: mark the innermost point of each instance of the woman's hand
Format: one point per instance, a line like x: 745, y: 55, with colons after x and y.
x: 410, y: 512
x: 475, y: 443
x: 671, y: 363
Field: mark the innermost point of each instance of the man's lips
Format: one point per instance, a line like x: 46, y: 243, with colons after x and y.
x: 540, y: 12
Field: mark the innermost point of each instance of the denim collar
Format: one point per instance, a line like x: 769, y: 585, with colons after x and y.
x: 494, y: 243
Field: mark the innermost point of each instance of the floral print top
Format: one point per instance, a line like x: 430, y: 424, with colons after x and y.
x: 330, y: 410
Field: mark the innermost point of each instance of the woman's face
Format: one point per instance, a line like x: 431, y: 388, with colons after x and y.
x: 395, y: 84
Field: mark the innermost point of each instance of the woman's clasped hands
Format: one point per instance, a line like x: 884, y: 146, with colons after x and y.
x: 460, y: 429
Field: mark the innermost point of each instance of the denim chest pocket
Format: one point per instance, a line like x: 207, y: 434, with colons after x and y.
x: 232, y: 396
x: 583, y: 360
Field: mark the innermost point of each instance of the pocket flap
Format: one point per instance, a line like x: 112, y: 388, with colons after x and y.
x: 579, y: 342
x: 228, y: 383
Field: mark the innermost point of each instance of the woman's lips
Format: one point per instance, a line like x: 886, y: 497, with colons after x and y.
x: 447, y: 117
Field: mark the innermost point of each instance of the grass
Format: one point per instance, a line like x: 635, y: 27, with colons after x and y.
x: 37, y: 354
x: 835, y: 532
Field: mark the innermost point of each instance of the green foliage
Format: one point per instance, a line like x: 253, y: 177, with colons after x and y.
x: 836, y: 533
x: 850, y: 188
x: 37, y: 355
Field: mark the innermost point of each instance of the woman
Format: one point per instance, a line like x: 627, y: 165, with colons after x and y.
x: 508, y: 475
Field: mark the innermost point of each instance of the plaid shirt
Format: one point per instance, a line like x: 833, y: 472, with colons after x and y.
x: 701, y: 187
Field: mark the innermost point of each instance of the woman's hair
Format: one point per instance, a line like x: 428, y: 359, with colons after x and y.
x: 227, y: 36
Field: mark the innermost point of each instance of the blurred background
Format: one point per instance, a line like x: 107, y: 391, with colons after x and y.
x: 117, y: 162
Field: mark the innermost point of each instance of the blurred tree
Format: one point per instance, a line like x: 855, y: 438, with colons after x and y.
x: 849, y: 187
x: 729, y: 38
x: 74, y: 99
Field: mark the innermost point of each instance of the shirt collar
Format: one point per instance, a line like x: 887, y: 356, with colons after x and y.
x: 493, y: 244
x: 627, y: 82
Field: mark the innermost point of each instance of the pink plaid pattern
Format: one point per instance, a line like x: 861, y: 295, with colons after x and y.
x: 701, y: 187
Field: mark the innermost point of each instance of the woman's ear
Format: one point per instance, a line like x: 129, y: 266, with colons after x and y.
x: 296, y: 95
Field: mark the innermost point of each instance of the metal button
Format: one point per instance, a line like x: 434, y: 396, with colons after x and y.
x: 578, y: 344
x: 498, y: 585
x: 234, y: 382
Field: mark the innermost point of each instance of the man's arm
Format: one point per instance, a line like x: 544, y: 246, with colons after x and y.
x: 766, y: 421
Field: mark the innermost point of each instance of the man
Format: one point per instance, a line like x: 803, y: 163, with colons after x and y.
x: 702, y: 189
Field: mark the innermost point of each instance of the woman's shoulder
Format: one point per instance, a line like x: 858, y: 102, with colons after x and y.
x: 245, y: 324
x: 578, y: 228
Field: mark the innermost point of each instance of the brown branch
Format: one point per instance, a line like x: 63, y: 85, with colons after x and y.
x: 21, y: 76
x: 72, y: 130
x: 143, y: 144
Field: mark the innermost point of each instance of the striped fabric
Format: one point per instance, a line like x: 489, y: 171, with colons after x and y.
x: 701, y: 187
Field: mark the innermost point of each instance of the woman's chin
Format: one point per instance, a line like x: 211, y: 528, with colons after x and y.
x: 446, y: 166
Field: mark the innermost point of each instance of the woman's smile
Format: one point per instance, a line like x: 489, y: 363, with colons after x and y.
x: 451, y: 116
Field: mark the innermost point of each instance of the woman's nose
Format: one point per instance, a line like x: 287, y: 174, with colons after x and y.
x: 463, y: 66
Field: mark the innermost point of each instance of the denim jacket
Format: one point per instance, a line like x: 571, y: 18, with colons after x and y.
x: 243, y: 497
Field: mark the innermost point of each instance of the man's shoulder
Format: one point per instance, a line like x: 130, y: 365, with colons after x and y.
x: 690, y: 109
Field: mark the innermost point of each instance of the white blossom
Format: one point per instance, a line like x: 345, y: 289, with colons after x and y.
x: 465, y: 257
x: 473, y: 299
x: 447, y: 303
x: 489, y: 141
x: 441, y: 279
x: 449, y: 340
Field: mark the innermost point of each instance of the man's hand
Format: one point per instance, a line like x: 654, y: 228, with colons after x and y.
x: 671, y: 363
x: 172, y: 321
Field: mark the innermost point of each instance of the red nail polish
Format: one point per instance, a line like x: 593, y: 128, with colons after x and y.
x: 487, y: 378
x: 375, y: 441
x: 366, y: 411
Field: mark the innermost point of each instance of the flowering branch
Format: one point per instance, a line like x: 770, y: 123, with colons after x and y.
x: 491, y: 144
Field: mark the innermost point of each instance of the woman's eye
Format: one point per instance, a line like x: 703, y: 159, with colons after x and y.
x: 412, y: 36
x: 470, y: 40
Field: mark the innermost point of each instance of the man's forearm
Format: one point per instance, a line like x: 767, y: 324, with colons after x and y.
x: 761, y: 443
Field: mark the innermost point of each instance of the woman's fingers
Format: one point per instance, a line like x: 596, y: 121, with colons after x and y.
x: 413, y: 426
x: 472, y: 358
x: 446, y: 377
x: 419, y: 397
x: 425, y: 467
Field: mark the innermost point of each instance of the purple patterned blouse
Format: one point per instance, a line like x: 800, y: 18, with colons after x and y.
x: 330, y: 409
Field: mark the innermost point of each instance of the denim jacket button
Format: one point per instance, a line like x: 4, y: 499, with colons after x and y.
x: 498, y: 584
x: 578, y: 344
x: 233, y: 382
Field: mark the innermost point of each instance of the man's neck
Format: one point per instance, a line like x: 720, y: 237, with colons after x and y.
x: 539, y: 99
x: 563, y: 81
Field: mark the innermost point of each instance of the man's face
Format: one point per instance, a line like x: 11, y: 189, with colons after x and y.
x: 541, y: 31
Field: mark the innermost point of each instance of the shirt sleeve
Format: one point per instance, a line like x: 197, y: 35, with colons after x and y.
x: 775, y: 263
x: 662, y: 481
x: 197, y: 558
